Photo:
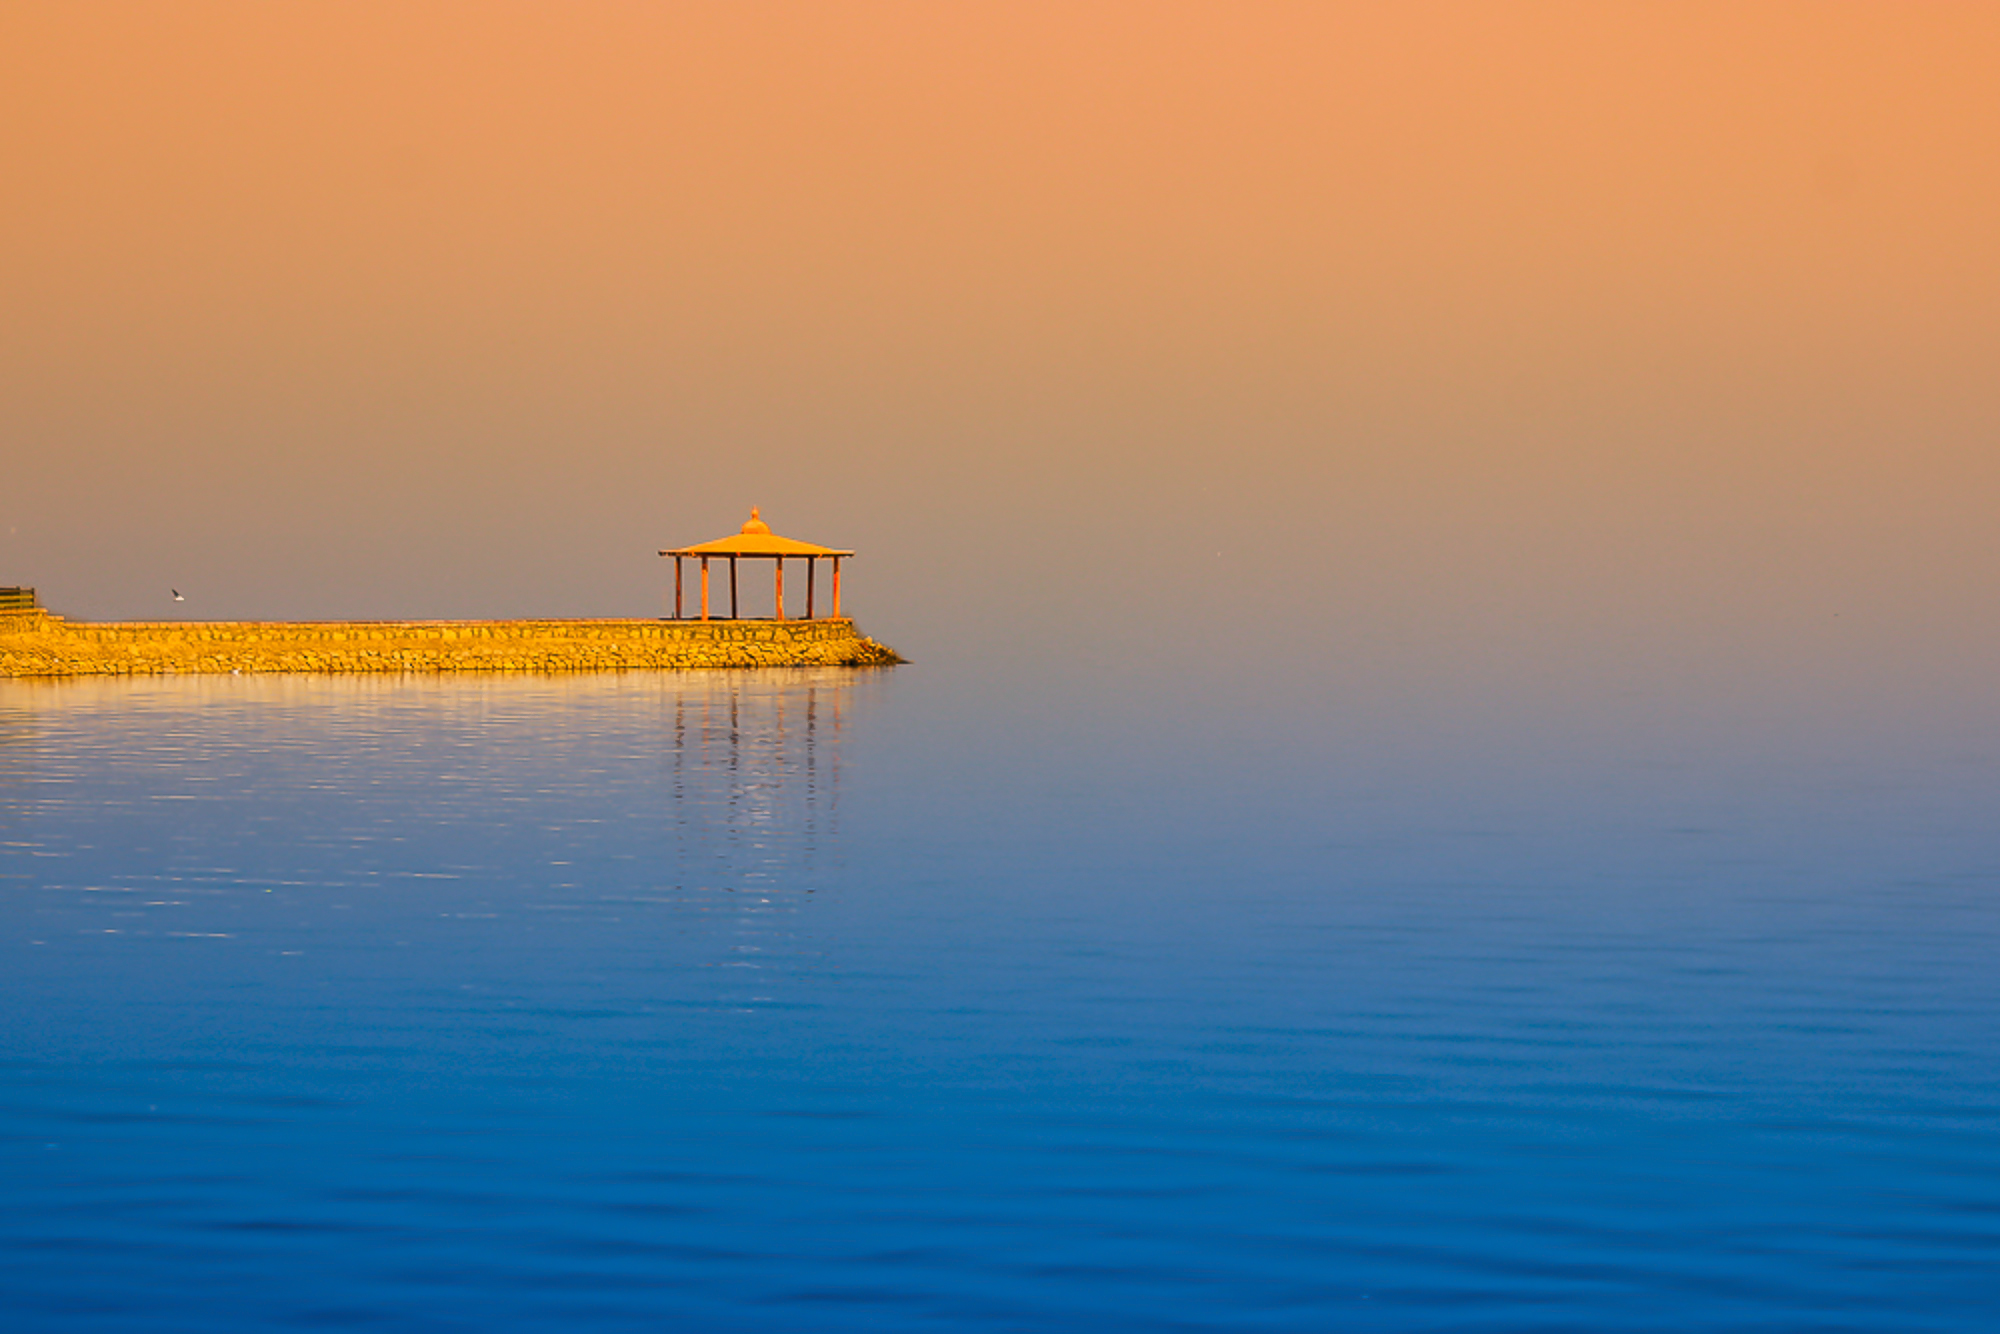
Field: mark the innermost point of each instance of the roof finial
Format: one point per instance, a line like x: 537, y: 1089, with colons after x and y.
x: 756, y: 524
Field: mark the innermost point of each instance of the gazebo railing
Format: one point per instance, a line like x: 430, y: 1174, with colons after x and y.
x: 18, y: 599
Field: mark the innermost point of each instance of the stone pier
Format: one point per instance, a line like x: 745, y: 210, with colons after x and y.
x: 36, y: 643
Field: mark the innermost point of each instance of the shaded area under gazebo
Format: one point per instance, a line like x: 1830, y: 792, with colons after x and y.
x: 756, y: 542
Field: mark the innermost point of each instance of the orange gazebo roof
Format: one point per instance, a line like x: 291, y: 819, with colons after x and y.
x: 756, y: 539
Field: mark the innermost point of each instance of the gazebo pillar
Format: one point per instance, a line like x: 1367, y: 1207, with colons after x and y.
x: 704, y: 588
x: 836, y: 588
x: 733, y: 615
x: 812, y: 563
x: 677, y: 588
x: 778, y: 588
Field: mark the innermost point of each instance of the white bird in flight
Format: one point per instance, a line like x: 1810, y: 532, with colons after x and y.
x: 177, y: 594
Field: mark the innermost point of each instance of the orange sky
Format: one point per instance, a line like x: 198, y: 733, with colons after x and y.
x: 1472, y: 327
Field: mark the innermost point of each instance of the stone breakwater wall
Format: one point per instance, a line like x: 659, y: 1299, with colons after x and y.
x: 39, y: 644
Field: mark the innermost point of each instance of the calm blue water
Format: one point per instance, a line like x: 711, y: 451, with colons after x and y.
x: 863, y: 1001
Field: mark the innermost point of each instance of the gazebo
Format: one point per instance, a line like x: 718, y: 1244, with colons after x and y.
x: 757, y: 542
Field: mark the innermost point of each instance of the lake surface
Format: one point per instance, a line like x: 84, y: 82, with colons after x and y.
x: 867, y: 1000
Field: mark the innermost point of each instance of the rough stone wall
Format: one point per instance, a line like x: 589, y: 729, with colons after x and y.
x: 39, y: 644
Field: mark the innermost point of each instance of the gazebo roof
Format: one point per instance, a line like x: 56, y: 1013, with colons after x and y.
x: 756, y: 539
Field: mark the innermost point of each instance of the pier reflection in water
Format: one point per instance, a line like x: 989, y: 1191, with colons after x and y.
x: 17, y: 732
x: 752, y: 805
x: 583, y: 837
x: 755, y: 778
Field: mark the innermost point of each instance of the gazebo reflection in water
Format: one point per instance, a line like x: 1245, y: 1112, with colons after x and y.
x: 754, y: 771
